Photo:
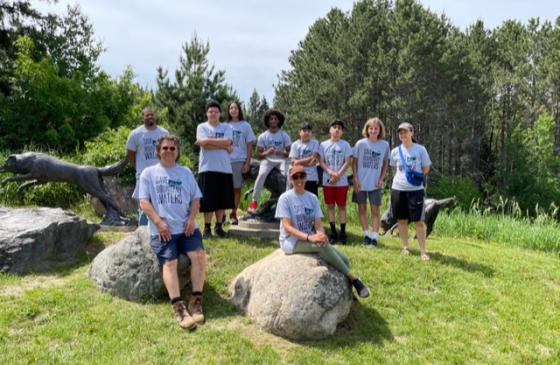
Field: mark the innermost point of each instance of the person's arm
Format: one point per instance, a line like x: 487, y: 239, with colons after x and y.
x: 383, y: 173
x: 262, y: 153
x: 345, y: 165
x: 355, y: 180
x: 214, y: 143
x: 190, y: 225
x: 131, y: 155
x: 247, y: 164
x: 162, y: 227
x: 319, y: 238
x: 283, y: 153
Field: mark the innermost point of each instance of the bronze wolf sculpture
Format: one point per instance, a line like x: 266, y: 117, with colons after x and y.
x: 34, y: 168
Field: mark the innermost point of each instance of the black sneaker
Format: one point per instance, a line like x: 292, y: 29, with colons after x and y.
x: 367, y: 241
x: 361, y: 289
x: 373, y: 242
x: 342, y: 238
x: 333, y: 238
x: 207, y: 233
x: 219, y: 230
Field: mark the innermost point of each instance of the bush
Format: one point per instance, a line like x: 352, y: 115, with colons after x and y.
x: 463, y: 189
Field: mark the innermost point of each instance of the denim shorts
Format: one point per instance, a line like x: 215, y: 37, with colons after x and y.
x: 179, y: 244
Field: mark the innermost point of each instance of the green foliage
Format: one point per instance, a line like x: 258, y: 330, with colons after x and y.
x: 463, y: 189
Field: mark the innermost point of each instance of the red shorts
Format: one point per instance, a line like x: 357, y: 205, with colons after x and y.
x: 335, y: 194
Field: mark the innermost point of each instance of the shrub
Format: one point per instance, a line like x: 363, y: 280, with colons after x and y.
x: 463, y: 189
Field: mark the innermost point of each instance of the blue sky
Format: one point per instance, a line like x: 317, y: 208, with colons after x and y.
x: 251, y: 40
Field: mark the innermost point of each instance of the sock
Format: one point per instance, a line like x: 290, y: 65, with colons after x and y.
x: 218, y: 224
x: 342, y: 228
x: 374, y: 235
x: 333, y: 227
x: 196, y: 293
x: 366, y: 233
x: 207, y: 226
x: 175, y: 300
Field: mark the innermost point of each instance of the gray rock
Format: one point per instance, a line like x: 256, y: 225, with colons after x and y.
x: 130, y: 270
x: 120, y: 194
x: 298, y: 297
x: 39, y: 239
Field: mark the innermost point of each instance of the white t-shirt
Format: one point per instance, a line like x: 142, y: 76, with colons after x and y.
x: 300, y: 150
x: 214, y: 160
x: 302, y: 210
x: 242, y: 134
x: 143, y: 141
x: 279, y: 141
x: 171, y: 192
x: 416, y: 157
x: 369, y: 160
x: 335, y: 153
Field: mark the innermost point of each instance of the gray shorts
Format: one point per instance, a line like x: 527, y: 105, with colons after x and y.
x: 361, y: 197
x: 236, y: 168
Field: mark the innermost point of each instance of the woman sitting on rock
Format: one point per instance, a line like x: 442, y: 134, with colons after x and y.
x: 301, y: 230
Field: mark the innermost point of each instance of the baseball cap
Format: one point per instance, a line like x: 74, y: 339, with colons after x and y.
x: 405, y: 125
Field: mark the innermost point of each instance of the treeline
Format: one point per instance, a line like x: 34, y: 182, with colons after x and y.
x: 486, y: 102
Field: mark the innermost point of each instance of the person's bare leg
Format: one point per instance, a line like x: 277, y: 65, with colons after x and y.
x: 375, y: 218
x: 362, y: 213
x: 219, y: 215
x: 208, y: 217
x: 198, y: 269
x: 171, y: 279
x: 237, y: 199
x: 331, y: 213
x: 403, y: 234
x: 421, y: 236
x: 342, y: 215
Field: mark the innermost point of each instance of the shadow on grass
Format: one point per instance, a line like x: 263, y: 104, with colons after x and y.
x: 464, y: 265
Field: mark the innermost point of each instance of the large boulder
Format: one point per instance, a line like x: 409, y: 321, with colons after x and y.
x: 130, y: 270
x: 39, y: 239
x: 299, y: 297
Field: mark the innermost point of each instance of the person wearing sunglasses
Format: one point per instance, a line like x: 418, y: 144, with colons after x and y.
x: 170, y: 197
x: 301, y: 229
x: 141, y: 150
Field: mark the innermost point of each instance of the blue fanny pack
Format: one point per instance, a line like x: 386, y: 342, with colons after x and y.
x: 413, y: 177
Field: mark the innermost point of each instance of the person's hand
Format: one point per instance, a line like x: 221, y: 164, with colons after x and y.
x: 229, y: 149
x: 356, y: 184
x: 380, y: 183
x: 189, y: 227
x: 163, y: 230
x: 246, y: 167
x: 269, y: 151
x: 319, y: 238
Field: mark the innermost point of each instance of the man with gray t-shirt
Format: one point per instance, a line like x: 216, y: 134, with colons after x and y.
x: 141, y: 150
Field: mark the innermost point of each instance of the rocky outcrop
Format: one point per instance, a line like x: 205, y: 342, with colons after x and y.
x: 130, y: 270
x: 298, y: 297
x: 39, y: 239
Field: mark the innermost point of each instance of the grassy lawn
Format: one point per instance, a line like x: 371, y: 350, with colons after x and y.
x: 475, y: 302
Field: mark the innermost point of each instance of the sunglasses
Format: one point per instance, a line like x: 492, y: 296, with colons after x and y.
x: 170, y: 148
x: 299, y: 176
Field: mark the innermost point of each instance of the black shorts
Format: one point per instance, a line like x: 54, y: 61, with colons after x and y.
x: 312, y: 187
x: 408, y: 205
x: 217, y: 191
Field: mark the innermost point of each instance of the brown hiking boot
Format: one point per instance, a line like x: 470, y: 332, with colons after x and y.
x: 183, y: 317
x: 195, y: 308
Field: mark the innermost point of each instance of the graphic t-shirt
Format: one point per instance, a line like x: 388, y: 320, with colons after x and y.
x: 143, y: 141
x: 302, y: 210
x: 300, y: 150
x: 170, y: 191
x: 279, y: 141
x: 369, y: 160
x: 335, y: 153
x: 416, y: 158
x: 242, y: 134
x: 214, y: 160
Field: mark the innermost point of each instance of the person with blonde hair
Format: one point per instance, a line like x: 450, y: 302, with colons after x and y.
x: 369, y: 165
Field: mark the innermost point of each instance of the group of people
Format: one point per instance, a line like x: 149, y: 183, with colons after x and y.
x: 170, y: 197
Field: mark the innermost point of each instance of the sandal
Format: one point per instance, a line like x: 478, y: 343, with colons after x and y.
x: 425, y: 257
x: 405, y: 252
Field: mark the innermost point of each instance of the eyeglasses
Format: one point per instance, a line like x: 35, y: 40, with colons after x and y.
x: 299, y: 176
x: 170, y: 148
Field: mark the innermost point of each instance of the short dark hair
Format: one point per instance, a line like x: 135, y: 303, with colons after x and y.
x: 168, y: 137
x: 269, y: 113
x: 337, y: 122
x: 305, y: 125
x: 238, y: 107
x: 213, y: 104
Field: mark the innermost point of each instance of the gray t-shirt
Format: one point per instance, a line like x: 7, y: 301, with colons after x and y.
x: 143, y: 142
x: 335, y: 153
x: 300, y: 150
x: 302, y: 210
x: 279, y: 141
x: 214, y: 160
x: 416, y: 157
x: 242, y: 134
x: 369, y: 160
x: 171, y: 192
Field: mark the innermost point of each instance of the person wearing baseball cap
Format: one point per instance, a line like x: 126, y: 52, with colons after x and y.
x: 301, y: 229
x: 411, y: 164
x: 305, y: 152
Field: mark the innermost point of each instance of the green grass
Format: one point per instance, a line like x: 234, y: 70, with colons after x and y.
x: 475, y: 302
